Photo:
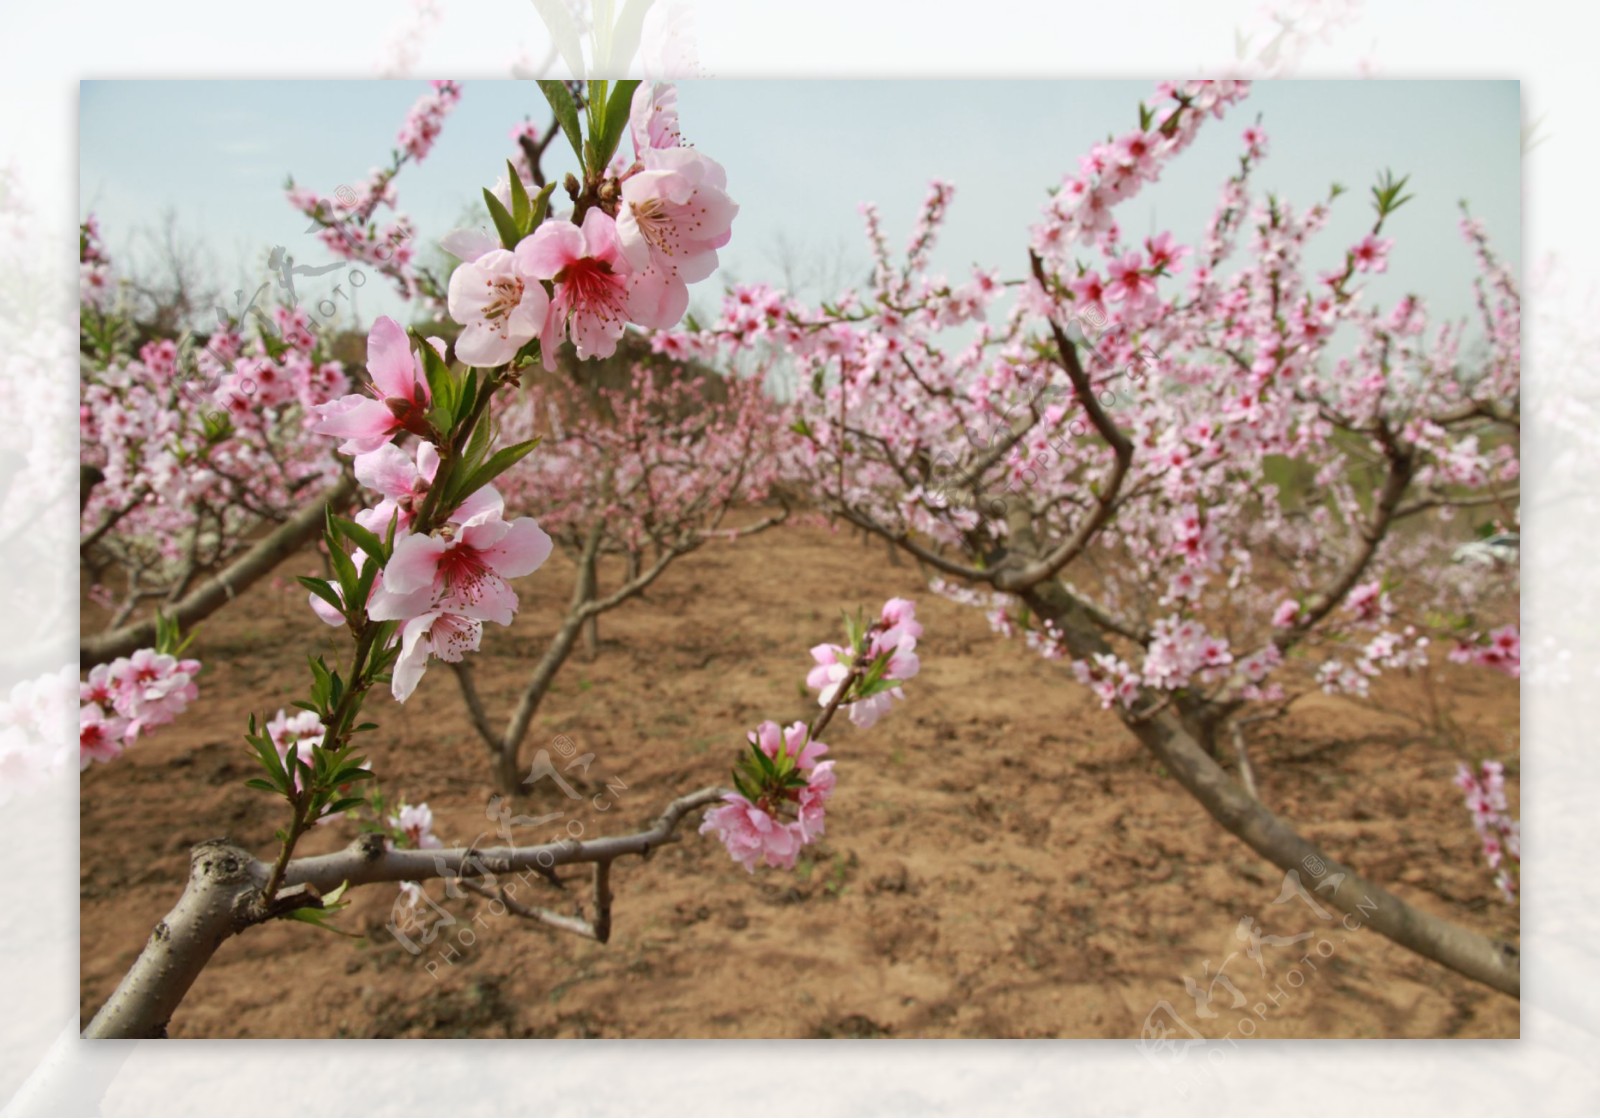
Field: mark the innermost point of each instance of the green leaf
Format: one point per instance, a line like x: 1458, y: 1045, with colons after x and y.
x: 503, y: 222
x: 215, y: 426
x: 855, y: 632
x: 323, y: 590
x: 344, y: 567
x: 501, y: 461
x: 363, y: 538
x: 616, y: 119
x: 369, y: 575
x: 566, y: 114
x: 541, y: 205
x: 442, y: 386
x: 519, y: 198
x: 768, y: 767
x: 267, y: 754
x: 317, y: 917
x: 594, y: 91
x: 262, y: 783
x: 478, y: 443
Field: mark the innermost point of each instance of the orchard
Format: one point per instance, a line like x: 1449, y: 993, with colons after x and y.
x: 539, y: 650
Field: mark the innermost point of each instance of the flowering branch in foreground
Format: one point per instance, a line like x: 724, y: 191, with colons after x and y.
x: 783, y: 784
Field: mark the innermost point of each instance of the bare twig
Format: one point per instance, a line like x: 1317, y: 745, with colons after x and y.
x: 1246, y: 774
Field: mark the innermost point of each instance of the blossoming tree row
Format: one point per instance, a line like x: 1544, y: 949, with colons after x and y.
x: 1109, y: 469
x: 1198, y: 475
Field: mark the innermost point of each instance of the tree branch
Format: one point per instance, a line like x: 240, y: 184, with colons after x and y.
x: 227, y: 584
x: 225, y: 881
x: 1165, y: 735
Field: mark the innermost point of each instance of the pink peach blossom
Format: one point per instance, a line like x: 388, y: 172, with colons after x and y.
x: 596, y: 290
x: 400, y: 397
x: 436, y: 633
x: 1371, y: 253
x: 99, y: 735
x: 677, y: 213
x: 653, y: 117
x: 462, y: 570
x: 501, y: 308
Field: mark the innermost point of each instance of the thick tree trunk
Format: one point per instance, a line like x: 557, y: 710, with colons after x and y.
x: 223, y: 882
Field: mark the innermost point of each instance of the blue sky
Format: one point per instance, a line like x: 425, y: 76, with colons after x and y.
x: 800, y: 156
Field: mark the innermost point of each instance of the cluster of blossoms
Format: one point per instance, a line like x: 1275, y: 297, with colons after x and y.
x: 1501, y: 651
x: 1369, y: 602
x: 296, y: 738
x: 1367, y: 607
x: 345, y: 222
x: 440, y: 585
x: 657, y: 461
x: 34, y: 740
x: 1110, y: 678
x: 1491, y: 819
x: 996, y: 605
x: 347, y: 229
x: 196, y: 447
x: 131, y: 696
x: 95, y: 283
x: 1387, y: 650
x: 784, y: 785
x: 1215, y: 362
x: 773, y: 824
x: 655, y: 228
x: 415, y: 822
x: 426, y: 118
x: 441, y: 582
x: 891, y: 642
x: 1080, y: 209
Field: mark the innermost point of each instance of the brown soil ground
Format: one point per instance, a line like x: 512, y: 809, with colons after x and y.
x: 1002, y: 859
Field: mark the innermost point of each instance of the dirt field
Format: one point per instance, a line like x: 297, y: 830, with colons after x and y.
x: 1002, y: 859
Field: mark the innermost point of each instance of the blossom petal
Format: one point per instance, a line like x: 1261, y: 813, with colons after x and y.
x: 521, y: 551
x: 549, y: 249
x: 389, y: 359
x: 467, y: 245
x: 414, y: 563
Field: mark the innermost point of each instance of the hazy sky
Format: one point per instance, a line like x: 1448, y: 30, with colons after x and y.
x: 801, y: 155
